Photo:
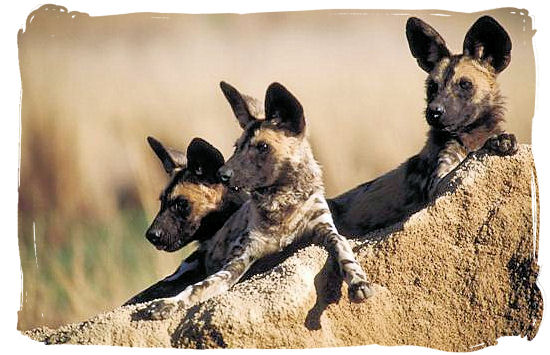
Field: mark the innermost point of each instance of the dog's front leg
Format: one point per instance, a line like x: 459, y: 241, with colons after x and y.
x: 502, y: 144
x: 447, y: 160
x: 213, y: 285
x: 326, y: 234
x: 190, y: 271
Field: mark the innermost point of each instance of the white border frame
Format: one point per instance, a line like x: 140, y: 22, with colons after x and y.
x: 14, y: 17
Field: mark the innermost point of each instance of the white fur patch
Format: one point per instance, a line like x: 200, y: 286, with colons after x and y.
x: 184, y: 267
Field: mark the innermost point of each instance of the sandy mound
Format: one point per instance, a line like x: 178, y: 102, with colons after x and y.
x: 455, y: 276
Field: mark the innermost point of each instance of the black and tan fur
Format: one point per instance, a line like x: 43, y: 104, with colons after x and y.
x: 193, y: 197
x: 274, y: 162
x: 193, y: 207
x: 472, y: 119
x: 465, y: 113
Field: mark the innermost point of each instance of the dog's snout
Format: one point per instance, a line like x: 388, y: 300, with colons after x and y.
x: 434, y: 113
x: 225, y: 175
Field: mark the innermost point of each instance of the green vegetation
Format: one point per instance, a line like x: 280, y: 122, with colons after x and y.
x: 99, y: 267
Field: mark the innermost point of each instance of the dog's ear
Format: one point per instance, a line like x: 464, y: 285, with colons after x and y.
x: 283, y: 109
x: 203, y: 159
x: 170, y: 158
x: 488, y: 42
x: 238, y: 104
x: 426, y: 45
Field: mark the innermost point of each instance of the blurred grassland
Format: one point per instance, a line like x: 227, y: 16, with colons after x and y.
x: 95, y: 87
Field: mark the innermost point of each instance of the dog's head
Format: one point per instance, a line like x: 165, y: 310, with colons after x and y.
x: 194, y: 191
x: 268, y: 148
x: 461, y: 89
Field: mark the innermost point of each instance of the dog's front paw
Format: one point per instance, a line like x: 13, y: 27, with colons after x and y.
x: 161, y: 309
x: 503, y: 144
x: 359, y: 291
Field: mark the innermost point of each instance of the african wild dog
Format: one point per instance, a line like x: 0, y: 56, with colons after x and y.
x: 194, y: 205
x: 194, y: 186
x: 274, y: 162
x: 462, y: 119
x: 465, y: 113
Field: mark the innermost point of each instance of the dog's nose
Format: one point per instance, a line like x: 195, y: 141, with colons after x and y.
x: 225, y: 175
x: 154, y: 235
x: 434, y: 113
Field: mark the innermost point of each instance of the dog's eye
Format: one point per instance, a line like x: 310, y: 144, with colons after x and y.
x: 262, y: 147
x: 198, y: 171
x: 180, y: 206
x: 465, y: 84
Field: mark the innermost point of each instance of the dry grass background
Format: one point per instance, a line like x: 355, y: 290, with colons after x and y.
x: 95, y: 87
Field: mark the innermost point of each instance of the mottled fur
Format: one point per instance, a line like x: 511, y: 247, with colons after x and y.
x: 206, y: 203
x: 193, y: 193
x: 274, y: 162
x: 194, y: 206
x: 473, y: 120
x: 465, y: 112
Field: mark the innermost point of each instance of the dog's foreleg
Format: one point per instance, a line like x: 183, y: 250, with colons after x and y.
x: 185, y: 267
x: 190, y: 271
x: 213, y: 285
x: 326, y: 234
x: 447, y: 160
x: 502, y: 144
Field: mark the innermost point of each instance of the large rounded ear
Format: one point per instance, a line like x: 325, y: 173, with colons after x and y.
x: 203, y: 159
x: 488, y: 42
x: 238, y: 104
x: 426, y: 45
x: 170, y: 158
x: 284, y: 110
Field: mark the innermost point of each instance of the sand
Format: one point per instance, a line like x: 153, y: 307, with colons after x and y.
x: 454, y: 276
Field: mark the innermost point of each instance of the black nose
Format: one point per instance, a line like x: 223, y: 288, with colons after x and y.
x: 154, y: 235
x: 434, y: 113
x: 225, y: 175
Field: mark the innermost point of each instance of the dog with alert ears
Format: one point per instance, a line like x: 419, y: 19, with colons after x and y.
x: 465, y: 111
x: 273, y: 161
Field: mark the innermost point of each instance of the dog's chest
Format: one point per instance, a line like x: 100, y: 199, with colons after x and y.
x: 228, y: 241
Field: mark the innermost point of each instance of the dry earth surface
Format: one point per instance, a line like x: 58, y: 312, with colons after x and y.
x: 455, y: 276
